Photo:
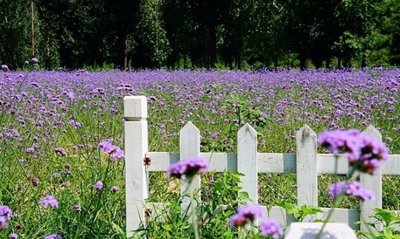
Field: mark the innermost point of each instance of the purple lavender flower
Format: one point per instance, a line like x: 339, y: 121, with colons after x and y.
x: 109, y: 148
x: 49, y: 201
x: 30, y: 150
x: 188, y: 167
x: 53, y: 236
x: 349, y: 188
x: 5, y: 212
x: 373, y: 153
x: 35, y: 181
x: 363, y: 152
x: 271, y: 227
x: 99, y: 185
x: 247, y: 214
x: 61, y: 151
x: 78, y: 208
x: 13, y: 236
x: 3, y: 222
x: 5, y: 68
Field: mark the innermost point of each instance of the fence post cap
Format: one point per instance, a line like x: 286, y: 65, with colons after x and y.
x: 135, y: 108
x: 310, y: 230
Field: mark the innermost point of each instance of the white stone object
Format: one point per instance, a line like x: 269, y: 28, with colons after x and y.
x: 332, y: 230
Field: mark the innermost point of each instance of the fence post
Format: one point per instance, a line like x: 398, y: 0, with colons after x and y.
x: 189, y: 144
x: 372, y: 183
x: 136, y: 146
x: 306, y: 166
x: 247, y: 161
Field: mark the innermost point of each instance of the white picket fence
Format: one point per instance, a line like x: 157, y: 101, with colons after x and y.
x: 306, y: 163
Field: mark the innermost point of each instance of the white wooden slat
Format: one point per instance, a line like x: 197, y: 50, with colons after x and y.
x: 247, y: 161
x: 326, y: 164
x: 276, y: 163
x: 136, y: 146
x: 373, y: 183
x: 392, y: 167
x: 189, y: 143
x: 306, y: 166
x: 219, y: 162
x: 267, y: 162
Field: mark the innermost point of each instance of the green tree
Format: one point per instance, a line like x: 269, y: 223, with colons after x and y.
x: 151, y: 35
x: 15, y: 34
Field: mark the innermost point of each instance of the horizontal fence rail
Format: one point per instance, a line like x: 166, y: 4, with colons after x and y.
x: 306, y: 163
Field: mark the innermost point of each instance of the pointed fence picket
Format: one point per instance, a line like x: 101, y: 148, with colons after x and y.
x: 306, y: 163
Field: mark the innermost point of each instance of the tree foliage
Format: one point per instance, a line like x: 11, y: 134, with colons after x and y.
x: 200, y: 34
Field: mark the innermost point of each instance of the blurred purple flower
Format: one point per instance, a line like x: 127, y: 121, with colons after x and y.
x: 247, y: 214
x: 349, y: 188
x: 78, y: 208
x: 35, y: 181
x: 99, y: 185
x: 35, y: 60
x: 5, y: 68
x: 53, y: 236
x: 188, y: 167
x: 13, y: 236
x: 3, y: 222
x: 6, y: 212
x: 61, y: 151
x: 109, y: 148
x: 49, y: 201
x: 30, y: 150
x: 114, y: 188
x: 271, y: 227
x: 363, y: 152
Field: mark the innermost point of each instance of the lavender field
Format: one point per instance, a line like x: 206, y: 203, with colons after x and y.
x: 59, y: 175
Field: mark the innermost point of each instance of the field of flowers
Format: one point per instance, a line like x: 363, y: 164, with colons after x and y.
x: 61, y: 141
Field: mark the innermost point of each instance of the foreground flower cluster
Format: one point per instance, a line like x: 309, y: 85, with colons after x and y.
x: 246, y: 214
x: 364, y: 153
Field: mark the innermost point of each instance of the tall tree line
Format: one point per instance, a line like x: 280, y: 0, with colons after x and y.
x: 200, y: 33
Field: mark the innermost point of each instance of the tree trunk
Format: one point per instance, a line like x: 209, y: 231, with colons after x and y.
x: 122, y: 57
x: 303, y: 61
x: 212, y: 46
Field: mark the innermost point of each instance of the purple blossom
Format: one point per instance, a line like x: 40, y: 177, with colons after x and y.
x: 30, y: 150
x: 99, y: 185
x: 188, y: 167
x: 61, y: 151
x: 349, y: 188
x: 363, y: 152
x: 5, y: 212
x: 49, y: 201
x: 114, y: 188
x: 247, y: 214
x: 78, y: 207
x: 35, y: 60
x: 53, y: 236
x: 5, y: 68
x: 109, y: 148
x: 35, y: 181
x: 13, y: 236
x: 3, y: 222
x: 271, y: 227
